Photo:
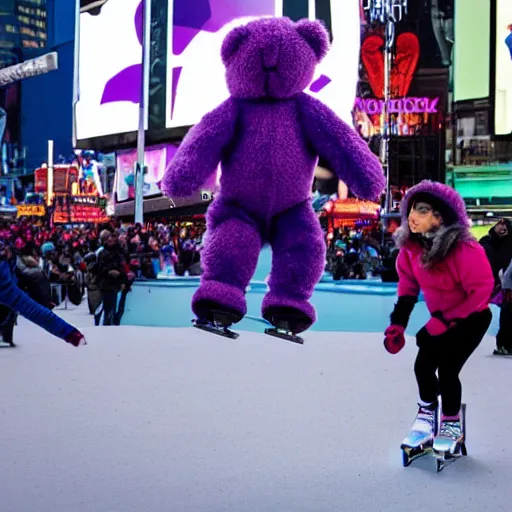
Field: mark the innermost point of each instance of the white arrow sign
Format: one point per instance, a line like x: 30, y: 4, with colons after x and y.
x: 29, y: 68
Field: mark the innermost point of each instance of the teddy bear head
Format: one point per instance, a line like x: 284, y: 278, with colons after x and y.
x: 273, y: 57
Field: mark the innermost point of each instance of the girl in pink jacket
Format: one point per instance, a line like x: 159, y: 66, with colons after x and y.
x: 439, y: 256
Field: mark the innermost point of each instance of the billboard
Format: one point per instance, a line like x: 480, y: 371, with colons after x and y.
x: 110, y: 69
x: 109, y: 55
x: 471, y: 49
x: 418, y: 98
x: 155, y: 158
x: 503, y: 69
x: 195, y: 73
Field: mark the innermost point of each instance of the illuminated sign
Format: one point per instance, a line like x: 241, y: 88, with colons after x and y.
x: 31, y: 210
x: 355, y: 207
x: 399, y: 106
x: 80, y: 214
x: 85, y: 200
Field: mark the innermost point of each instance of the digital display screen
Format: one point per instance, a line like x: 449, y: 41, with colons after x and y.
x: 195, y: 73
x: 471, y: 49
x: 503, y: 92
x: 110, y: 57
x: 155, y: 159
x: 110, y: 69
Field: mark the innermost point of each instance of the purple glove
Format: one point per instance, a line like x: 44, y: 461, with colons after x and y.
x: 395, y: 339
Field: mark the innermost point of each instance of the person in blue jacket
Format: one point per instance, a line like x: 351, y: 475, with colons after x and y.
x: 13, y: 299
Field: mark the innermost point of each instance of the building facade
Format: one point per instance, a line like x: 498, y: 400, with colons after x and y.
x: 28, y: 29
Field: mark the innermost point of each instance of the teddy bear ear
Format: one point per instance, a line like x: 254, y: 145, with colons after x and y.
x: 232, y: 43
x: 315, y: 34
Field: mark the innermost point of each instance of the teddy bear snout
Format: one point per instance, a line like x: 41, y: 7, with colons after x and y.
x: 270, y: 56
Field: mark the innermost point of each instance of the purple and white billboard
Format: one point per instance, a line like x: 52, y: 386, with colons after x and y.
x: 110, y: 69
x: 110, y: 55
x: 195, y: 73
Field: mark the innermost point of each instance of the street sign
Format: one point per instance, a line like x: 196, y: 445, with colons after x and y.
x: 29, y: 68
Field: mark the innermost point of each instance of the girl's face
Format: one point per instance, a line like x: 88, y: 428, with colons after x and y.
x: 422, y: 219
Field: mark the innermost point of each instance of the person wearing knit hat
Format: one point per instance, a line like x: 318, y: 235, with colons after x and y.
x: 439, y: 256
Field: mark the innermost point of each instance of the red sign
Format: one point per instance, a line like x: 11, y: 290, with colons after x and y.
x: 80, y: 214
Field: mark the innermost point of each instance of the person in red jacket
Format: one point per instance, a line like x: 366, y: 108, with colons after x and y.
x: 439, y: 256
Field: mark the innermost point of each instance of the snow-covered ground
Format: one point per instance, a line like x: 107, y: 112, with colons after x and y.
x: 177, y: 420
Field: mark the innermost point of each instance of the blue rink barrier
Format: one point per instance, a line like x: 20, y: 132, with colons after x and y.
x: 344, y: 306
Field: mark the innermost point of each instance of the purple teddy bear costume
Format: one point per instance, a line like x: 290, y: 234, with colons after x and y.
x: 267, y: 137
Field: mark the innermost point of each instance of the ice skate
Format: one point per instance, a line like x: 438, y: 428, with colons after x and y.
x: 6, y: 340
x: 502, y: 351
x: 450, y: 443
x: 282, y: 330
x: 420, y: 439
x: 219, y: 324
x: 283, y: 320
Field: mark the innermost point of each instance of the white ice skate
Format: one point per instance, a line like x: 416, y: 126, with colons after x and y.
x: 420, y: 439
x: 450, y: 443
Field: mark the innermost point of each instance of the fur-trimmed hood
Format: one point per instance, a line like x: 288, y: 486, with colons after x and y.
x: 449, y: 196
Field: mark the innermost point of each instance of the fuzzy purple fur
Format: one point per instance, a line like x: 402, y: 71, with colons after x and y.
x: 272, y: 57
x: 268, y: 137
x: 448, y: 195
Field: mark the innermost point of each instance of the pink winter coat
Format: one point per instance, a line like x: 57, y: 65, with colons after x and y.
x: 460, y: 285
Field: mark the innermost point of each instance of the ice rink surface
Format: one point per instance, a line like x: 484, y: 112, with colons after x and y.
x: 178, y: 420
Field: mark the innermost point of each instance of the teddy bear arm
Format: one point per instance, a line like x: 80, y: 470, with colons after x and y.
x: 347, y: 153
x: 200, y: 151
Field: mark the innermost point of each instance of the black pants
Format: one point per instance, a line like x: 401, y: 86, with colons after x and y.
x: 504, y: 336
x: 447, y: 354
x: 7, y: 323
x: 120, y: 307
x: 109, y: 307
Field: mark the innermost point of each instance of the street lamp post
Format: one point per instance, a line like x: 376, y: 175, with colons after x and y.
x: 387, y: 13
x: 141, y: 133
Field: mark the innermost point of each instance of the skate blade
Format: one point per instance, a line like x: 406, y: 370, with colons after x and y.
x: 410, y: 454
x: 284, y: 335
x: 499, y: 354
x: 443, y: 460
x: 219, y: 331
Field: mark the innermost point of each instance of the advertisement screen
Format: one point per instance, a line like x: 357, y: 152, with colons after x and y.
x: 471, y: 49
x: 155, y: 159
x: 413, y: 109
x: 503, y: 93
x: 195, y: 73
x: 110, y: 70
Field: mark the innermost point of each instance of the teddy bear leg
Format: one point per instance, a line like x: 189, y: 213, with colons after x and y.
x: 228, y: 259
x: 298, y: 261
